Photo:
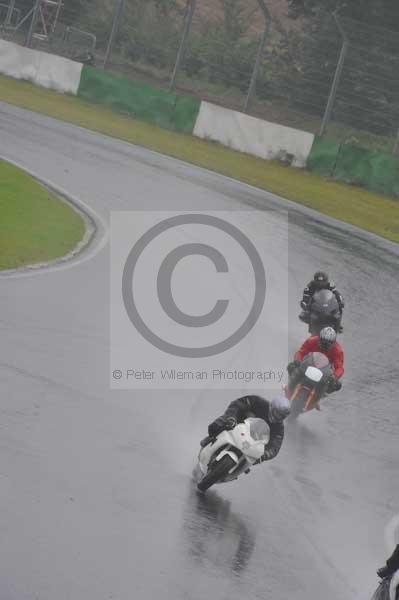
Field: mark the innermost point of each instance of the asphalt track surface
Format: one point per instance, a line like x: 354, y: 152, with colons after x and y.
x: 97, y: 500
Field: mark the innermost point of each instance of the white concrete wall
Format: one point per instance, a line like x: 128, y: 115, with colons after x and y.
x: 252, y: 136
x: 233, y: 129
x: 46, y: 70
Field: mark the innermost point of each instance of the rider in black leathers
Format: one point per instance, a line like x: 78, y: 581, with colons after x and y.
x: 273, y: 413
x: 319, y: 282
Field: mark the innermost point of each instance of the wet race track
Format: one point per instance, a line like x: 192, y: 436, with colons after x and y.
x: 97, y: 499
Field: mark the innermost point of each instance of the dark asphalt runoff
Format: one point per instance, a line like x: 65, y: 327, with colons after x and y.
x: 97, y: 500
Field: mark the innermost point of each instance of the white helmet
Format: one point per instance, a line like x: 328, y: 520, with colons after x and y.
x: 279, y: 409
x: 327, y: 338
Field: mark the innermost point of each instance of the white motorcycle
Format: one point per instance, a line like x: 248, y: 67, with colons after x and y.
x: 232, y: 452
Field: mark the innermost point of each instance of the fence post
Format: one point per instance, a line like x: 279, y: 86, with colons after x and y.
x: 336, y: 81
x: 120, y: 5
x: 33, y: 23
x: 10, y: 10
x: 254, y: 77
x: 190, y: 10
x: 396, y: 146
x: 265, y: 10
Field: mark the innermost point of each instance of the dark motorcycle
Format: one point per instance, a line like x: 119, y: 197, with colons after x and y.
x: 308, y: 383
x: 324, y: 312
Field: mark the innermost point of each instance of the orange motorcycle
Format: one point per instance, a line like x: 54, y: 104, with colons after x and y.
x: 308, y: 383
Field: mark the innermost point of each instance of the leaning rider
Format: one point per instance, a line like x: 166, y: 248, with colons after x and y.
x: 326, y: 343
x: 273, y: 413
x: 319, y: 282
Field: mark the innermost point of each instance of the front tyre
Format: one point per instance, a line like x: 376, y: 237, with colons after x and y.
x: 218, y: 472
x: 298, y: 404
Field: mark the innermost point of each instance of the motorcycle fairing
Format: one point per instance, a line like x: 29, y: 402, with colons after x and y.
x: 229, y: 442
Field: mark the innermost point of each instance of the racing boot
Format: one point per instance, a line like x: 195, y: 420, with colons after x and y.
x: 383, y: 572
x: 392, y: 565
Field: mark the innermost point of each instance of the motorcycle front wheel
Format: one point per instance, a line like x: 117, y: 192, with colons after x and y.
x: 298, y: 404
x: 218, y: 472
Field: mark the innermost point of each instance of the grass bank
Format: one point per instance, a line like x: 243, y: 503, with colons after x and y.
x: 373, y: 212
x: 35, y: 225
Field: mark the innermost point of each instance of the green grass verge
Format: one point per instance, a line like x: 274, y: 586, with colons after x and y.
x: 35, y: 226
x: 373, y: 212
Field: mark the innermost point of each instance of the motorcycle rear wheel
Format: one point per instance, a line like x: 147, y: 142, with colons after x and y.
x: 218, y: 472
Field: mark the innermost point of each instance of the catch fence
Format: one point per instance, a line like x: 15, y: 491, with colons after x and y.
x: 329, y: 75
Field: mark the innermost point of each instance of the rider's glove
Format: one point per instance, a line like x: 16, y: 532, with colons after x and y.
x: 230, y: 422
x: 216, y: 427
x: 333, y: 384
x: 220, y: 424
x: 293, y: 365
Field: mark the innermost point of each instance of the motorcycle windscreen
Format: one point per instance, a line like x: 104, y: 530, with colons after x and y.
x: 314, y: 374
x: 319, y: 360
x: 258, y: 429
x: 324, y: 302
x: 382, y: 592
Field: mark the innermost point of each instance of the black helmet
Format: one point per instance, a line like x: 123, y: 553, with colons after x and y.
x: 327, y: 337
x: 320, y: 279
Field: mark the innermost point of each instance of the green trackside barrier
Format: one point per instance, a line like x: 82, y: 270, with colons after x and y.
x: 323, y: 156
x: 185, y: 113
x: 123, y: 95
x: 351, y: 164
x: 139, y: 100
x: 376, y: 171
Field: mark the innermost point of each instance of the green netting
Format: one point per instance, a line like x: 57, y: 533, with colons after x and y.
x: 126, y: 96
x: 186, y: 113
x: 374, y: 170
x: 139, y: 100
x: 323, y: 156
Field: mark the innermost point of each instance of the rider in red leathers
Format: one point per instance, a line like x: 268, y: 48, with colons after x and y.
x: 335, y: 353
x: 326, y: 343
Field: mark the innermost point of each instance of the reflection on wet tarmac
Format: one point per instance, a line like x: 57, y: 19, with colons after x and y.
x: 210, y: 524
x: 305, y: 440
